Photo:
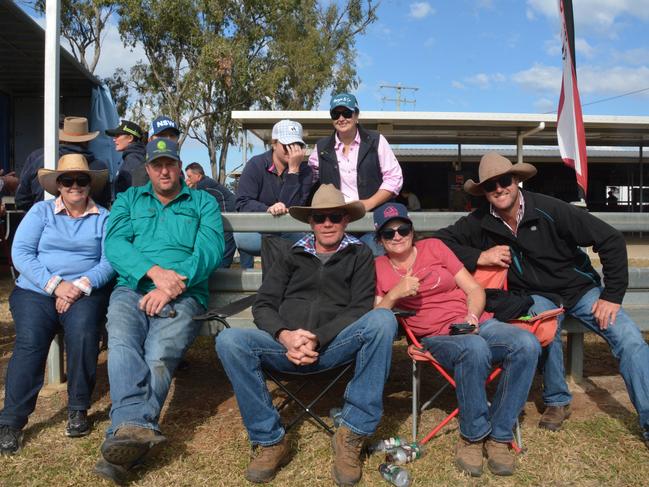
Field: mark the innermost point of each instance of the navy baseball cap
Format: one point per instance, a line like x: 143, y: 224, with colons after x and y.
x: 163, y: 123
x: 158, y: 148
x: 346, y: 100
x: 388, y: 212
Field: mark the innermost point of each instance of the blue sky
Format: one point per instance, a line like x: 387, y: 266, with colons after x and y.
x: 485, y: 56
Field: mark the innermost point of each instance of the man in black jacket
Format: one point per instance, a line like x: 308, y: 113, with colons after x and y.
x: 314, y: 313
x: 538, y: 238
x: 129, y: 139
x: 73, y: 139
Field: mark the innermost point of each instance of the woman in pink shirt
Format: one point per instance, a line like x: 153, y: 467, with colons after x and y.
x: 427, y: 278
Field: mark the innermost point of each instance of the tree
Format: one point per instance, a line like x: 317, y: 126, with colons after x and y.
x: 207, y: 58
x: 83, y: 23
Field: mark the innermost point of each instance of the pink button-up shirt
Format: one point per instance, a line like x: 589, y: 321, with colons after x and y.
x: 390, y: 168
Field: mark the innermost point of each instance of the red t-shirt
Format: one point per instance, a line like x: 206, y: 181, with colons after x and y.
x: 439, y: 302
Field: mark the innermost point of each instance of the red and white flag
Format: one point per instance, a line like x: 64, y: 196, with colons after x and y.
x: 570, y: 124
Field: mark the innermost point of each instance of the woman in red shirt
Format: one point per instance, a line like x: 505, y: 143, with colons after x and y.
x: 426, y: 277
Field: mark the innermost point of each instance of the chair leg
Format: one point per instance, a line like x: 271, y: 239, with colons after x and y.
x: 416, y: 381
x: 518, y: 444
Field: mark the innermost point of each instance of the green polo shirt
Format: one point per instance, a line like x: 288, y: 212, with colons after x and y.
x: 186, y: 236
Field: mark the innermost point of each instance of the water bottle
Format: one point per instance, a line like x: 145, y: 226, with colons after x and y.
x: 404, y: 454
x: 336, y: 415
x: 385, y: 445
x: 394, y: 474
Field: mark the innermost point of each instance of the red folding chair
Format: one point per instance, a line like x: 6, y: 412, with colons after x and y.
x: 543, y: 326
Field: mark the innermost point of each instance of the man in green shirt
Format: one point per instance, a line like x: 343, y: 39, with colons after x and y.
x: 164, y: 240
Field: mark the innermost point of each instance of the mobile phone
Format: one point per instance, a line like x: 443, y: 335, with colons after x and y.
x: 461, y: 328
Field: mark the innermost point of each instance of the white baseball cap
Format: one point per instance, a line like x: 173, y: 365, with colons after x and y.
x: 287, y: 132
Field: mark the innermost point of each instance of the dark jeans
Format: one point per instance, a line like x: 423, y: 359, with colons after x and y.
x: 37, y: 322
x: 228, y: 252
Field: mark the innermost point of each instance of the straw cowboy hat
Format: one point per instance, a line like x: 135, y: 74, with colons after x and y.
x: 493, y: 165
x: 75, y: 129
x: 72, y: 163
x: 328, y: 198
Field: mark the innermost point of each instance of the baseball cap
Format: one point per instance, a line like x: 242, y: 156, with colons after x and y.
x: 158, y: 148
x: 287, y: 132
x: 163, y: 123
x: 346, y: 100
x: 126, y: 127
x: 388, y: 212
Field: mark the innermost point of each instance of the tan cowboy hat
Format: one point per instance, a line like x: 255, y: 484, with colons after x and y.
x: 72, y: 163
x: 75, y: 129
x: 493, y: 165
x: 328, y: 198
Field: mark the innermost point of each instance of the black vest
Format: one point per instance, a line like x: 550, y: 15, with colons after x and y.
x: 368, y: 176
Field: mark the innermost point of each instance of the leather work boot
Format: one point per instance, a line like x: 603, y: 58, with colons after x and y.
x: 500, y: 459
x: 554, y: 416
x: 130, y: 444
x: 347, y: 445
x: 268, y: 461
x: 468, y: 456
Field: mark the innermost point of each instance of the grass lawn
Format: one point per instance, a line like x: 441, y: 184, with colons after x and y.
x: 207, y: 446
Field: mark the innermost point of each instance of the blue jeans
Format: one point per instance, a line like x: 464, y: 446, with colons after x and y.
x: 627, y: 345
x: 471, y: 358
x: 367, y: 342
x: 230, y: 249
x: 143, y: 352
x: 249, y: 245
x: 37, y: 321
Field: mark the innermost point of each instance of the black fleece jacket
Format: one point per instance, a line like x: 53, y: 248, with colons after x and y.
x: 301, y: 292
x: 546, y: 258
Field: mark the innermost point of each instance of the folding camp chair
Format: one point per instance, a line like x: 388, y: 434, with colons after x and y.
x: 487, y: 277
x: 272, y: 247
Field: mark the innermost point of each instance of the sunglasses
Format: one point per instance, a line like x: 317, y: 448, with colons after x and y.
x: 346, y: 113
x: 502, y: 181
x: 389, y: 233
x: 320, y: 218
x: 82, y: 180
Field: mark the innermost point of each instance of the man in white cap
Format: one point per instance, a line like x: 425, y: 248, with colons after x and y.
x: 538, y: 238
x: 274, y: 181
x: 314, y: 313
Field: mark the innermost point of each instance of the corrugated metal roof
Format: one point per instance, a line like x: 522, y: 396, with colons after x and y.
x: 22, y: 54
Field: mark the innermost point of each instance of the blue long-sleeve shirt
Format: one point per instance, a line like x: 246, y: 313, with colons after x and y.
x: 260, y: 186
x: 47, y: 244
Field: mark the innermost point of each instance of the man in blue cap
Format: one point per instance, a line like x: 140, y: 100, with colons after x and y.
x: 163, y: 127
x: 164, y: 240
x: 359, y: 162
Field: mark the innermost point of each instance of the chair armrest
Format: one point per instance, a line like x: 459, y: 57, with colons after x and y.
x: 403, y: 313
x: 228, y: 310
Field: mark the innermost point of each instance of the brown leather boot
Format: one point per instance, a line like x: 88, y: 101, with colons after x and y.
x: 500, y: 459
x: 468, y: 456
x: 554, y: 416
x: 347, y: 445
x: 268, y: 461
x: 130, y: 444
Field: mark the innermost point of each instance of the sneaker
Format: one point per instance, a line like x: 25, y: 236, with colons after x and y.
x: 268, y: 461
x: 11, y: 440
x: 554, y: 416
x: 130, y: 444
x: 78, y: 424
x: 347, y: 445
x: 468, y: 456
x: 500, y: 459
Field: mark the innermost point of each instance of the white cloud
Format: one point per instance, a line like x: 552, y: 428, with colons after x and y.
x: 603, y: 16
x: 114, y: 54
x: 539, y: 78
x: 635, y: 57
x: 458, y: 85
x: 546, y: 105
x: 420, y: 10
x: 584, y: 48
x: 483, y: 80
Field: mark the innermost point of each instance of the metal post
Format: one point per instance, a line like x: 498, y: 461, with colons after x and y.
x: 55, y: 373
x: 641, y: 180
x: 521, y: 136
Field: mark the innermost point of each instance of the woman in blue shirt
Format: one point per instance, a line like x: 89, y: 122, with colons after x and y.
x: 64, y: 282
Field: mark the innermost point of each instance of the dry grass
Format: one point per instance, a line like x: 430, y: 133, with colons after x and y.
x: 208, y: 445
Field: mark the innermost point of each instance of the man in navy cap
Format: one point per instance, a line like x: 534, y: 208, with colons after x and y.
x: 163, y: 240
x: 359, y: 162
x: 165, y: 128
x: 129, y: 140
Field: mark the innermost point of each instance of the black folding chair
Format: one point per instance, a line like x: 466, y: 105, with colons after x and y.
x: 272, y: 248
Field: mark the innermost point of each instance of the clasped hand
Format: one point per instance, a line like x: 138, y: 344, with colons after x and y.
x: 300, y: 346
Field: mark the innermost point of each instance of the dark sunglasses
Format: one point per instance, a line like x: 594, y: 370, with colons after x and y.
x: 320, y: 218
x: 346, y: 113
x: 389, y: 233
x: 503, y: 182
x: 66, y: 181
